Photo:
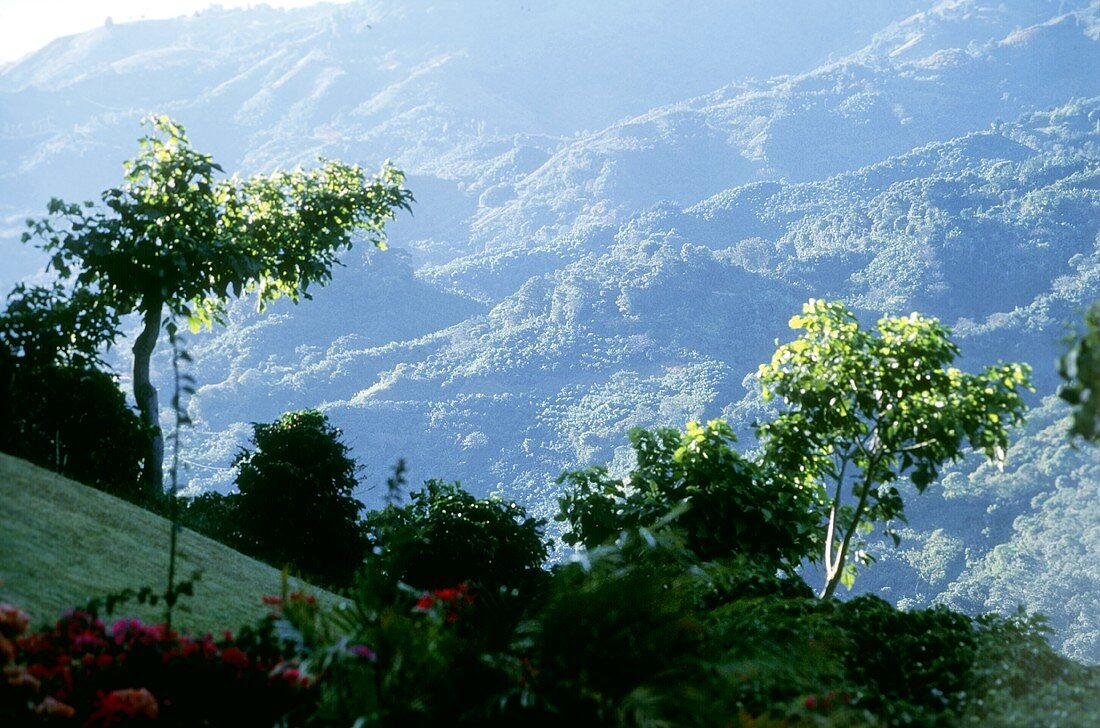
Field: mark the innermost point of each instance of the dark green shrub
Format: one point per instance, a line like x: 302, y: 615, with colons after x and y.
x: 73, y: 421
x: 913, y: 666
x: 294, y: 504
x: 721, y: 501
x: 446, y: 536
x: 58, y: 408
x: 211, y: 514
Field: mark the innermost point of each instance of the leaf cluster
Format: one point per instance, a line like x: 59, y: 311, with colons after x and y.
x: 445, y: 536
x: 1079, y: 368
x: 722, y: 502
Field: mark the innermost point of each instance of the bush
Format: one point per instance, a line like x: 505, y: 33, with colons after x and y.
x: 212, y: 514
x: 83, y: 671
x: 721, y: 501
x: 58, y: 407
x: 295, y: 505
x: 445, y: 536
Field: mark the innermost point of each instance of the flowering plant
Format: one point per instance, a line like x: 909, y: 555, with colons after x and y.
x: 83, y: 670
x: 446, y: 603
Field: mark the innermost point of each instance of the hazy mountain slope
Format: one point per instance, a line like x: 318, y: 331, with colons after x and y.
x: 424, y: 83
x: 995, y: 231
x: 839, y: 117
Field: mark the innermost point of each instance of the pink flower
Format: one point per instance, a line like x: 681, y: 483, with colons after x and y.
x: 363, y: 652
x: 123, y: 628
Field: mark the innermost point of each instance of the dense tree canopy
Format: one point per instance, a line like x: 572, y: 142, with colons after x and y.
x: 445, y: 535
x: 56, y: 327
x: 58, y: 406
x: 174, y: 237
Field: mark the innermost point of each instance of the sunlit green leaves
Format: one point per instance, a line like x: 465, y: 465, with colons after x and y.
x: 1080, y: 368
x: 866, y: 407
x: 177, y: 235
x: 696, y: 483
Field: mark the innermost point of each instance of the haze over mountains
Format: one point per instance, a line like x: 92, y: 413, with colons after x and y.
x: 619, y: 206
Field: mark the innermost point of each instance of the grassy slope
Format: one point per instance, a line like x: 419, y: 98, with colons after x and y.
x: 62, y: 543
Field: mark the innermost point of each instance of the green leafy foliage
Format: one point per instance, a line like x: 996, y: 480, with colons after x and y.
x: 866, y: 408
x: 1080, y: 368
x: 614, y: 637
x: 295, y: 503
x: 174, y: 236
x: 49, y: 415
x: 918, y: 662
x: 722, y: 502
x: 58, y: 408
x: 53, y: 327
x: 1017, y: 680
x: 445, y: 536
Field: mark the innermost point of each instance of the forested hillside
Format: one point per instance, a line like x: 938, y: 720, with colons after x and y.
x: 618, y: 237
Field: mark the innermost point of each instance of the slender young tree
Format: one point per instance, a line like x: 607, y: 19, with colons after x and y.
x: 866, y: 408
x: 174, y: 237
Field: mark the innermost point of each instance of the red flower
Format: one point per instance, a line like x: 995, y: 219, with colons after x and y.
x: 118, y: 705
x: 236, y: 657
x: 425, y: 602
x: 307, y: 598
x: 811, y: 702
x: 7, y: 650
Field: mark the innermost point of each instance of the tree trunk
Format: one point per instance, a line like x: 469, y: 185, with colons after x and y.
x: 837, y: 571
x: 146, y: 396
